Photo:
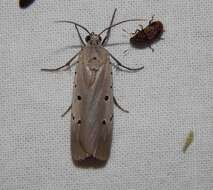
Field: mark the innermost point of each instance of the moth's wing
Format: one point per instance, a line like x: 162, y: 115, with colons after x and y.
x: 92, y: 107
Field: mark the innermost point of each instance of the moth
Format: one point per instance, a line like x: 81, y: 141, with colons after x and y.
x: 148, y: 35
x: 92, y: 101
x: 25, y: 3
x: 189, y: 140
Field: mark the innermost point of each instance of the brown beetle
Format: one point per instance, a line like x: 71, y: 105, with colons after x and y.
x: 25, y: 3
x: 147, y: 36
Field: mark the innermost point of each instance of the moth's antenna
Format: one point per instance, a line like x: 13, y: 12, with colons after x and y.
x: 66, y: 21
x: 129, y: 20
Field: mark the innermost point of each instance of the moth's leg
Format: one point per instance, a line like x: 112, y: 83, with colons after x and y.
x: 65, y: 48
x: 66, y: 65
x: 117, y: 67
x: 69, y: 108
x: 79, y: 35
x: 116, y: 103
x: 150, y: 22
x: 121, y: 65
x: 106, y: 38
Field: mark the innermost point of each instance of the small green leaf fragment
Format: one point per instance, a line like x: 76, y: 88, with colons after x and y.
x: 189, y: 141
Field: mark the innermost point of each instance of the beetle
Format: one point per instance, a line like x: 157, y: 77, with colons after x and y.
x: 148, y: 35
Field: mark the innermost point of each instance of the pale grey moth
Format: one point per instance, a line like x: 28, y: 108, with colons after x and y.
x: 92, y: 101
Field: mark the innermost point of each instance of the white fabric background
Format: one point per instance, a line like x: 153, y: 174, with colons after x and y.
x: 173, y: 94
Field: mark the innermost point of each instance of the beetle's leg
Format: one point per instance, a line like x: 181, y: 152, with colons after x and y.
x: 150, y: 22
x: 141, y: 26
x: 151, y: 47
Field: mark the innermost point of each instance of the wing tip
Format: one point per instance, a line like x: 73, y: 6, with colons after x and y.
x: 89, y: 162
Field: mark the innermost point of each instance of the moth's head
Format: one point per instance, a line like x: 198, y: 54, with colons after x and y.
x: 93, y: 39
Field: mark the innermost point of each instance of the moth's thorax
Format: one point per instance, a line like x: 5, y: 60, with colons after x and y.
x: 94, y: 56
x: 94, y: 59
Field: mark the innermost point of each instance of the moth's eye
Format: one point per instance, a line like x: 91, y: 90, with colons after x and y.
x: 87, y: 38
x: 99, y: 37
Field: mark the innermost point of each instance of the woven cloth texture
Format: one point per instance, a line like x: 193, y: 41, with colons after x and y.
x: 172, y: 95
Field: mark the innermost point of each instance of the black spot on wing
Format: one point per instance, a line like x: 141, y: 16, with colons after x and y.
x: 106, y: 98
